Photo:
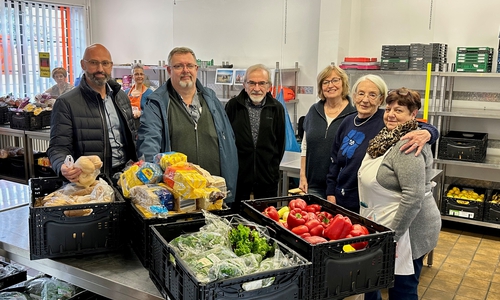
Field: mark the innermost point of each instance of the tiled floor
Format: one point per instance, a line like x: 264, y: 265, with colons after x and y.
x: 465, y: 265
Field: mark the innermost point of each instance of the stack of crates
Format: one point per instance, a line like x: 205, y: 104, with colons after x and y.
x: 395, y: 57
x: 422, y: 54
x: 498, y: 63
x: 474, y: 59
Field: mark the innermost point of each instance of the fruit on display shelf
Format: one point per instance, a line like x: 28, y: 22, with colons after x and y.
x: 465, y: 193
x: 495, y: 198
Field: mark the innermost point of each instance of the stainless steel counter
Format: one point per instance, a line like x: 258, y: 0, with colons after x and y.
x: 289, y: 167
x: 117, y: 275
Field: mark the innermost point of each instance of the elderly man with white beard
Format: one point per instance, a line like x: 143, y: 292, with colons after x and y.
x: 258, y: 122
x: 184, y: 116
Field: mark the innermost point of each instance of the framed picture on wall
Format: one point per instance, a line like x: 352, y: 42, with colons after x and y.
x: 239, y: 75
x: 224, y: 76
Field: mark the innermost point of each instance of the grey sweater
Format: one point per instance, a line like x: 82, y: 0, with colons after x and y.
x: 411, y: 176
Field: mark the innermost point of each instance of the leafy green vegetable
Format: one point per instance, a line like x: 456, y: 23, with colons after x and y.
x: 260, y: 245
x: 245, y: 240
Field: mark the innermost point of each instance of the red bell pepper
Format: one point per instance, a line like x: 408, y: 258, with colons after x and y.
x: 313, y: 208
x: 317, y: 231
x: 325, y: 218
x: 295, y: 218
x: 311, y: 216
x: 339, y: 228
x: 297, y: 203
x: 347, y: 228
x: 272, y: 213
x: 312, y: 223
x: 315, y: 239
x: 283, y: 223
x: 358, y: 230
x: 305, y: 234
x: 298, y: 230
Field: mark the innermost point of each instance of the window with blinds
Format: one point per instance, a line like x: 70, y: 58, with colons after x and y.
x: 29, y: 28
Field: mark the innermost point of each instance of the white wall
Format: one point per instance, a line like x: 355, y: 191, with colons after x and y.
x: 239, y: 31
x: 133, y: 30
x: 317, y: 33
x: 249, y: 32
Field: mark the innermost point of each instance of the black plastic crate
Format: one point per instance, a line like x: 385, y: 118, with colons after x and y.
x: 140, y: 232
x: 461, y: 145
x: 42, y: 171
x: 462, y: 207
x: 179, y: 282
x: 5, y: 166
x: 335, y: 274
x: 13, y: 278
x: 25, y: 121
x: 17, y: 167
x: 492, y: 208
x: 4, y: 115
x: 159, y: 285
x: 53, y: 234
x: 46, y: 114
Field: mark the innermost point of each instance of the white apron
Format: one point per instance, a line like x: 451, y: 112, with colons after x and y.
x: 380, y: 205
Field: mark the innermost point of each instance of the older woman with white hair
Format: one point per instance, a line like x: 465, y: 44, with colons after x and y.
x: 353, y: 135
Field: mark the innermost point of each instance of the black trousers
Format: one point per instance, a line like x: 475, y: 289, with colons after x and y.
x: 259, y: 191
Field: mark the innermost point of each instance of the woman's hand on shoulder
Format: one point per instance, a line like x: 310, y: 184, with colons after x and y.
x: 416, y: 141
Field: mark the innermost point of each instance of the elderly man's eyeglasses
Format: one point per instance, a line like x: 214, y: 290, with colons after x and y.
x: 254, y: 84
x: 333, y: 81
x: 96, y: 63
x: 179, y: 67
x: 371, y: 95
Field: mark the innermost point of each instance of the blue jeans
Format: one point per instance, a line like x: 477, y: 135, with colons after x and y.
x: 405, y: 286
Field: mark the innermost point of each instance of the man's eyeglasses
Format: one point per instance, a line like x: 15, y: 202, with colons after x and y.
x: 179, y: 67
x: 253, y: 83
x: 333, y: 80
x: 371, y: 95
x: 96, y: 63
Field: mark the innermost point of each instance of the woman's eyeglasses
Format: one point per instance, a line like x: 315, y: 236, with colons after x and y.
x: 333, y: 81
x: 371, y: 95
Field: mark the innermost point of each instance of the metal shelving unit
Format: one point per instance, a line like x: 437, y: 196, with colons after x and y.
x: 443, y: 112
x: 289, y: 78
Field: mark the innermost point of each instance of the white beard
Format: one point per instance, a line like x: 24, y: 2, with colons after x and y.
x: 257, y: 98
x: 186, y: 83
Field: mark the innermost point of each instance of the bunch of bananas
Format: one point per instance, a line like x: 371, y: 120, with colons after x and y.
x: 467, y: 194
x: 495, y: 198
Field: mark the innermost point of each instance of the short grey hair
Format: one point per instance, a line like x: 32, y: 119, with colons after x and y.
x: 137, y: 66
x: 377, y: 80
x: 256, y: 68
x: 180, y: 50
